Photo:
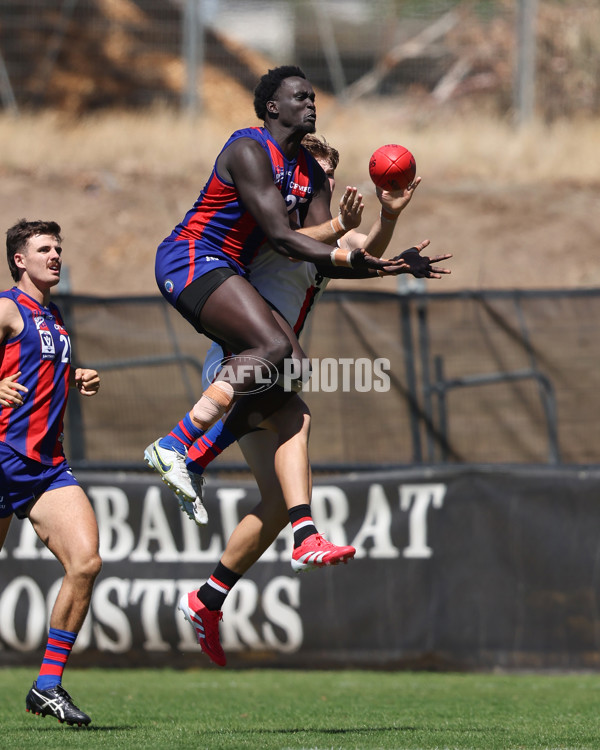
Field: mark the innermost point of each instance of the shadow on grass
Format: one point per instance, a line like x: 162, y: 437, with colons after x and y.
x: 218, y: 732
x: 52, y: 727
x: 354, y: 730
x: 58, y: 727
x: 313, y: 730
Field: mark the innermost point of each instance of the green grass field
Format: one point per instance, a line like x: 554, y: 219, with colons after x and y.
x: 264, y: 709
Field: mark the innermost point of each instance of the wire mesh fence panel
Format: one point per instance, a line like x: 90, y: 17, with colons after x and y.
x: 486, y: 377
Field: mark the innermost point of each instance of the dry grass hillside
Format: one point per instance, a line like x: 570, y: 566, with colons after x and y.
x: 516, y: 208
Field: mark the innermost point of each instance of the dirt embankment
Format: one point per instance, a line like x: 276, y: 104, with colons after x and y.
x: 526, y: 237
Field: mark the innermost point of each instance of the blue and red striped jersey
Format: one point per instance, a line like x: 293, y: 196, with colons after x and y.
x: 42, y: 352
x: 219, y: 225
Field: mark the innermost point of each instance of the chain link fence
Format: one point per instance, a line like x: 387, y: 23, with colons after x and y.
x: 81, y: 55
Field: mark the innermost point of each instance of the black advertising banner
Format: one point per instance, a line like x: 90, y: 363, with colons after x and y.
x: 456, y: 568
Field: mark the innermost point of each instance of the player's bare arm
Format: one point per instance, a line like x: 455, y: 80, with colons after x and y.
x: 380, y: 234
x: 329, y: 231
x: 11, y: 322
x: 350, y: 208
x: 319, y: 211
x: 248, y: 166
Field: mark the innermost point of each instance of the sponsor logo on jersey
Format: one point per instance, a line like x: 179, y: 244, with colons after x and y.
x: 40, y: 323
x: 300, y: 188
x: 47, y: 342
x: 279, y: 175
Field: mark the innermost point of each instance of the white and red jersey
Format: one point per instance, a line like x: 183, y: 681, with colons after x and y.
x: 291, y: 286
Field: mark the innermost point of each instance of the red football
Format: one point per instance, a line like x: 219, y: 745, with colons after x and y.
x: 392, y: 167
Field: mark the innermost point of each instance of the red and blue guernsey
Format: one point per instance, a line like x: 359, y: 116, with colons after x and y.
x: 42, y: 353
x: 218, y: 230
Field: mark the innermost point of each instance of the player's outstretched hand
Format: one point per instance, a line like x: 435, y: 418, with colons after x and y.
x: 351, y: 208
x: 422, y: 266
x: 362, y: 261
x: 87, y: 381
x: 9, y: 390
x: 396, y: 201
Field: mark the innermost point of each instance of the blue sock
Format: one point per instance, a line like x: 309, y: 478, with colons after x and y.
x: 58, y: 648
x: 208, y: 447
x: 182, y: 436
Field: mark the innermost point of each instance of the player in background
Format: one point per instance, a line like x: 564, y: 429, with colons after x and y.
x: 289, y: 287
x: 35, y: 479
x: 261, y: 177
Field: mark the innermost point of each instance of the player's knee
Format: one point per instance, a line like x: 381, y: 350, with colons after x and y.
x: 298, y: 409
x: 302, y: 419
x: 273, y: 511
x: 96, y: 565
x: 293, y: 420
x: 277, y: 350
x: 89, y: 567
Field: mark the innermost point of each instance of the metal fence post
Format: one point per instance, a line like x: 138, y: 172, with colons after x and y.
x: 524, y: 87
x: 192, y: 36
x: 6, y: 92
x: 411, y: 376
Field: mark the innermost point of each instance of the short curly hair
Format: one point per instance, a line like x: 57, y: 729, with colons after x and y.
x: 268, y: 85
x: 20, y: 233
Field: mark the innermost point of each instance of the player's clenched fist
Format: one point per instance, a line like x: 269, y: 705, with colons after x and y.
x: 87, y: 381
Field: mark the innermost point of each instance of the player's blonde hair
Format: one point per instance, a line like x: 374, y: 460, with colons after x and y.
x: 318, y: 147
